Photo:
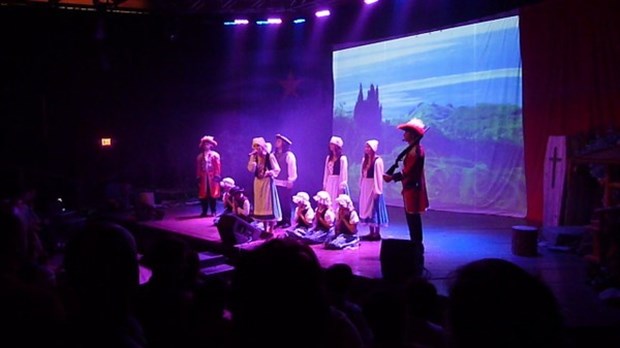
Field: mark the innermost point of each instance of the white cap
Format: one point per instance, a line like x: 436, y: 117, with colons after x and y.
x: 336, y: 141
x: 374, y: 144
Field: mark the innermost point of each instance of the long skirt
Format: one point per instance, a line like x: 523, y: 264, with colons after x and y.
x: 342, y: 241
x: 266, y: 202
x: 297, y: 232
x: 332, y: 186
x: 372, y: 209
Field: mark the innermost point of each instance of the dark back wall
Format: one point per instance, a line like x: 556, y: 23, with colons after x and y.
x: 157, y: 83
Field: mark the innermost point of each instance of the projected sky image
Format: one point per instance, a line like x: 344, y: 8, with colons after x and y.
x: 465, y: 83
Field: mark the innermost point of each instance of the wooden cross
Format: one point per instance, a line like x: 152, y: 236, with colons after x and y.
x: 555, y: 159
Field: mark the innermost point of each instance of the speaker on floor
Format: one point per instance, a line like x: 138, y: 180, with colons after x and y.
x: 233, y: 230
x: 401, y: 259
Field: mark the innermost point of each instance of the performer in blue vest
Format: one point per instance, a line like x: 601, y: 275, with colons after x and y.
x: 286, y: 178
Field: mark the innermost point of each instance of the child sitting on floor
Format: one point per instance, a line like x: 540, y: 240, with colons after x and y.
x: 304, y: 214
x: 226, y: 184
x: 323, y: 219
x: 344, y: 235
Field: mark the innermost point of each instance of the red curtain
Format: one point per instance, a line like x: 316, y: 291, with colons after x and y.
x: 571, y: 78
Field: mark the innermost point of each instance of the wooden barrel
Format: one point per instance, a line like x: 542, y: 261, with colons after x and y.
x: 525, y: 240
x: 146, y: 199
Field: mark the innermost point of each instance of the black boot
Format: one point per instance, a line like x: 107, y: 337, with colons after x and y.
x: 418, y: 258
x: 377, y: 234
x: 373, y: 236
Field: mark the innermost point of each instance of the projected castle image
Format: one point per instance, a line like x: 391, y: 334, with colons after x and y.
x: 465, y: 83
x: 368, y: 112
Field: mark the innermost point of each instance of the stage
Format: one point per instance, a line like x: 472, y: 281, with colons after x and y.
x: 450, y: 239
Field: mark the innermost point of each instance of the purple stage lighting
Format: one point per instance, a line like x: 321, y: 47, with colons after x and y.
x: 237, y: 22
x: 368, y: 2
x: 322, y: 13
x: 270, y: 21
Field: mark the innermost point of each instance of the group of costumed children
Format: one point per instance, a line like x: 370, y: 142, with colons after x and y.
x: 335, y: 229
x: 333, y: 223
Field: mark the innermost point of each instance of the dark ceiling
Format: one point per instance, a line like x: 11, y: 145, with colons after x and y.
x: 250, y: 6
x: 205, y: 7
x: 255, y: 7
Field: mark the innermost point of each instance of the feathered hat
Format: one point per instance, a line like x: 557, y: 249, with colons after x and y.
x: 415, y: 125
x: 208, y: 139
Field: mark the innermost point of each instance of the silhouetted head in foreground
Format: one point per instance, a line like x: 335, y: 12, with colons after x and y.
x: 495, y: 303
x: 102, y: 268
x: 278, y: 298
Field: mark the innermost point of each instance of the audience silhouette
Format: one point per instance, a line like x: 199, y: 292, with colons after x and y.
x: 278, y: 300
x: 339, y: 280
x: 101, y: 266
x: 495, y: 303
x: 165, y: 301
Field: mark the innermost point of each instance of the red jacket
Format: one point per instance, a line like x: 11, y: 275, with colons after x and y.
x: 414, y: 192
x: 208, y: 174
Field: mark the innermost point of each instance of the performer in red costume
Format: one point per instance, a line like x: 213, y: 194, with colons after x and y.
x: 411, y: 175
x: 208, y: 171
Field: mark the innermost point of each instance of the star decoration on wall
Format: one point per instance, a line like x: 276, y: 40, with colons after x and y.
x: 290, y: 86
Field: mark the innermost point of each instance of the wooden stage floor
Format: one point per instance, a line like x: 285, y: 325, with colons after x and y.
x: 451, y: 240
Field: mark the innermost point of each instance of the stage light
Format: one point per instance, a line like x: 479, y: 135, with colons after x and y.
x: 237, y: 22
x: 322, y: 13
x: 369, y: 2
x: 270, y: 21
x: 299, y: 20
x: 106, y: 142
x: 61, y: 204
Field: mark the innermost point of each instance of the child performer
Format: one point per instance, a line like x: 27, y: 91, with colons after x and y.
x: 335, y: 175
x: 323, y: 219
x: 372, y: 209
x: 345, y: 228
x: 239, y: 221
x: 265, y: 168
x: 304, y: 214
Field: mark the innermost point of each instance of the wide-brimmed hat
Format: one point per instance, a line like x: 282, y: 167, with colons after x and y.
x: 208, y: 139
x: 301, y: 197
x: 323, y: 197
x: 336, y: 141
x: 260, y: 141
x: 415, y: 124
x: 227, y: 182
x: 345, y: 201
x: 373, y: 144
x: 235, y: 190
x: 284, y: 139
